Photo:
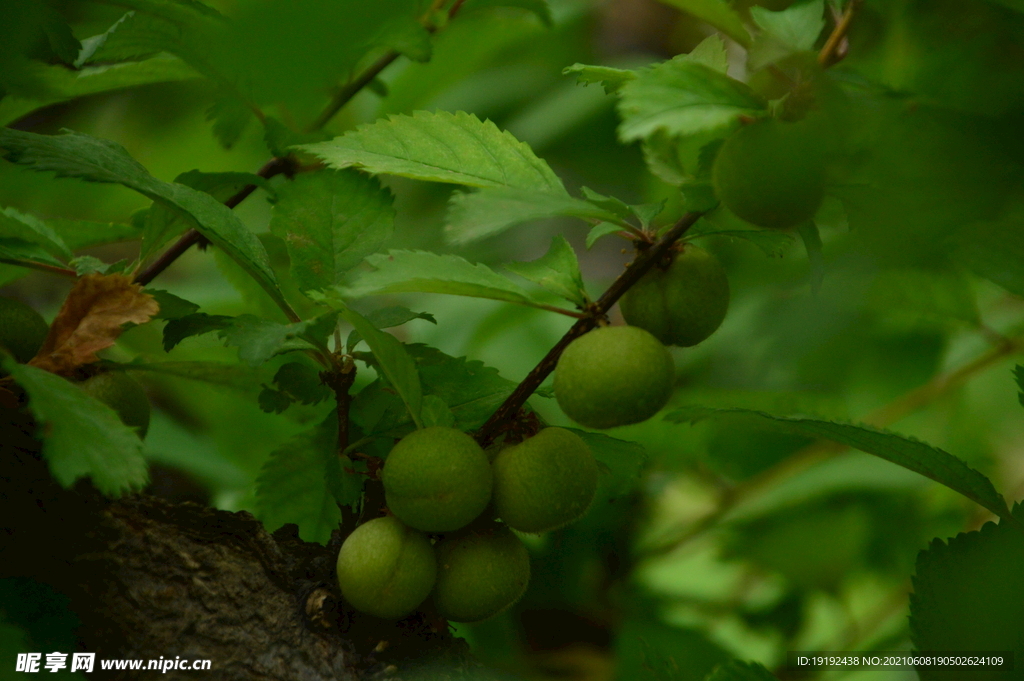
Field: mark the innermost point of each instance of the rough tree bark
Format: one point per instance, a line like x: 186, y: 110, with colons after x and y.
x: 150, y: 578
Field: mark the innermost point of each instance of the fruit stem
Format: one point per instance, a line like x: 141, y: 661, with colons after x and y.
x: 837, y: 44
x: 642, y: 263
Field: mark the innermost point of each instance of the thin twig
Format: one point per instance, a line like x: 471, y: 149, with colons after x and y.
x: 830, y: 52
x: 643, y: 262
x: 274, y: 166
x: 42, y: 267
x: 350, y: 90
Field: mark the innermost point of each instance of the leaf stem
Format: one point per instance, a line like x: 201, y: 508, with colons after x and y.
x: 42, y: 267
x: 834, y: 49
x: 643, y: 262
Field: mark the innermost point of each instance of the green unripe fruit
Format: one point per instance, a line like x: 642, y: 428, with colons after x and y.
x: 437, y: 479
x: 123, y: 394
x: 771, y: 173
x: 544, y: 482
x: 682, y: 305
x: 613, y: 376
x: 480, y: 574
x: 22, y: 329
x: 386, y: 569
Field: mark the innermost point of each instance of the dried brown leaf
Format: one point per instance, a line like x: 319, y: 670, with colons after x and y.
x: 91, y: 319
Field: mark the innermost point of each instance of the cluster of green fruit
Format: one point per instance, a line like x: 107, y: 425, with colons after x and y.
x: 439, y: 481
x: 618, y: 375
x: 23, y: 332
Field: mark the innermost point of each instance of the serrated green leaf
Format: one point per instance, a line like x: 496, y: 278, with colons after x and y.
x: 436, y: 413
x: 440, y: 146
x: 215, y: 373
x: 773, y: 243
x: 17, y: 225
x: 968, y: 596
x: 87, y: 264
x: 682, y: 97
x: 558, y: 271
x: 914, y: 455
x: 610, y: 78
x: 171, y: 306
x: 62, y: 84
x: 386, y: 318
x: 485, y: 213
x: 301, y: 382
x: 230, y: 116
x: 718, y: 13
x: 82, y: 437
x: 18, y: 251
x: 711, y: 52
x: 425, y: 272
x: 794, y: 29
x: 601, y: 229
x: 740, y: 671
x: 809, y: 234
x: 294, y: 485
x: 623, y: 460
x: 330, y: 221
x: 258, y: 339
x: 195, y: 324
x: 89, y: 158
x: 995, y: 251
x: 394, y: 361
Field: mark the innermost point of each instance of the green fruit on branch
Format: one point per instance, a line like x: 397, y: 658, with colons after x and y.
x: 386, y: 569
x: 681, y: 305
x: 123, y: 394
x: 480, y: 574
x: 613, y: 376
x: 22, y: 329
x: 771, y: 173
x: 544, y: 482
x: 437, y: 479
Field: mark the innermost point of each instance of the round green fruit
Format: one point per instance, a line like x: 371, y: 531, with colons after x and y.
x: 771, y: 173
x: 386, y: 569
x: 123, y: 394
x: 613, y: 376
x: 544, y: 482
x: 437, y: 479
x: 681, y: 305
x: 22, y: 329
x: 480, y: 574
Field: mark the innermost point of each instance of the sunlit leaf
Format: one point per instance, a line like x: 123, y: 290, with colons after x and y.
x: 558, y: 271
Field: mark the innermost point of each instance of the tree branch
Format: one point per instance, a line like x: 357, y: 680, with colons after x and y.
x: 643, y: 262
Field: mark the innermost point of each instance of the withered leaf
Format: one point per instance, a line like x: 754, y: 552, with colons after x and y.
x: 91, y: 319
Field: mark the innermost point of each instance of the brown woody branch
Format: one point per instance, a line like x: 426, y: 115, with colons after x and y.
x: 643, y: 262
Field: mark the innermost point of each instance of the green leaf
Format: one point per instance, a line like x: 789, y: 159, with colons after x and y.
x: 396, y: 364
x: 436, y: 413
x: 718, y: 13
x: 302, y: 383
x: 82, y: 437
x: 330, y: 221
x: 968, y: 595
x: 18, y: 251
x: 440, y: 146
x: 558, y: 271
x: 794, y: 29
x: 190, y: 325
x: 425, y: 272
x: 610, y: 78
x: 623, y: 462
x: 215, y: 373
x: 601, y: 229
x: 388, y: 317
x: 18, y: 225
x: 539, y: 7
x: 711, y: 52
x: 294, y: 485
x: 740, y: 671
x: 931, y: 462
x: 1019, y: 374
x: 488, y: 212
x: 62, y: 84
x: 649, y: 650
x: 78, y: 234
x: 683, y: 97
x: 171, y: 306
x: 89, y: 158
x: 230, y: 117
x: 258, y: 339
x: 773, y: 243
